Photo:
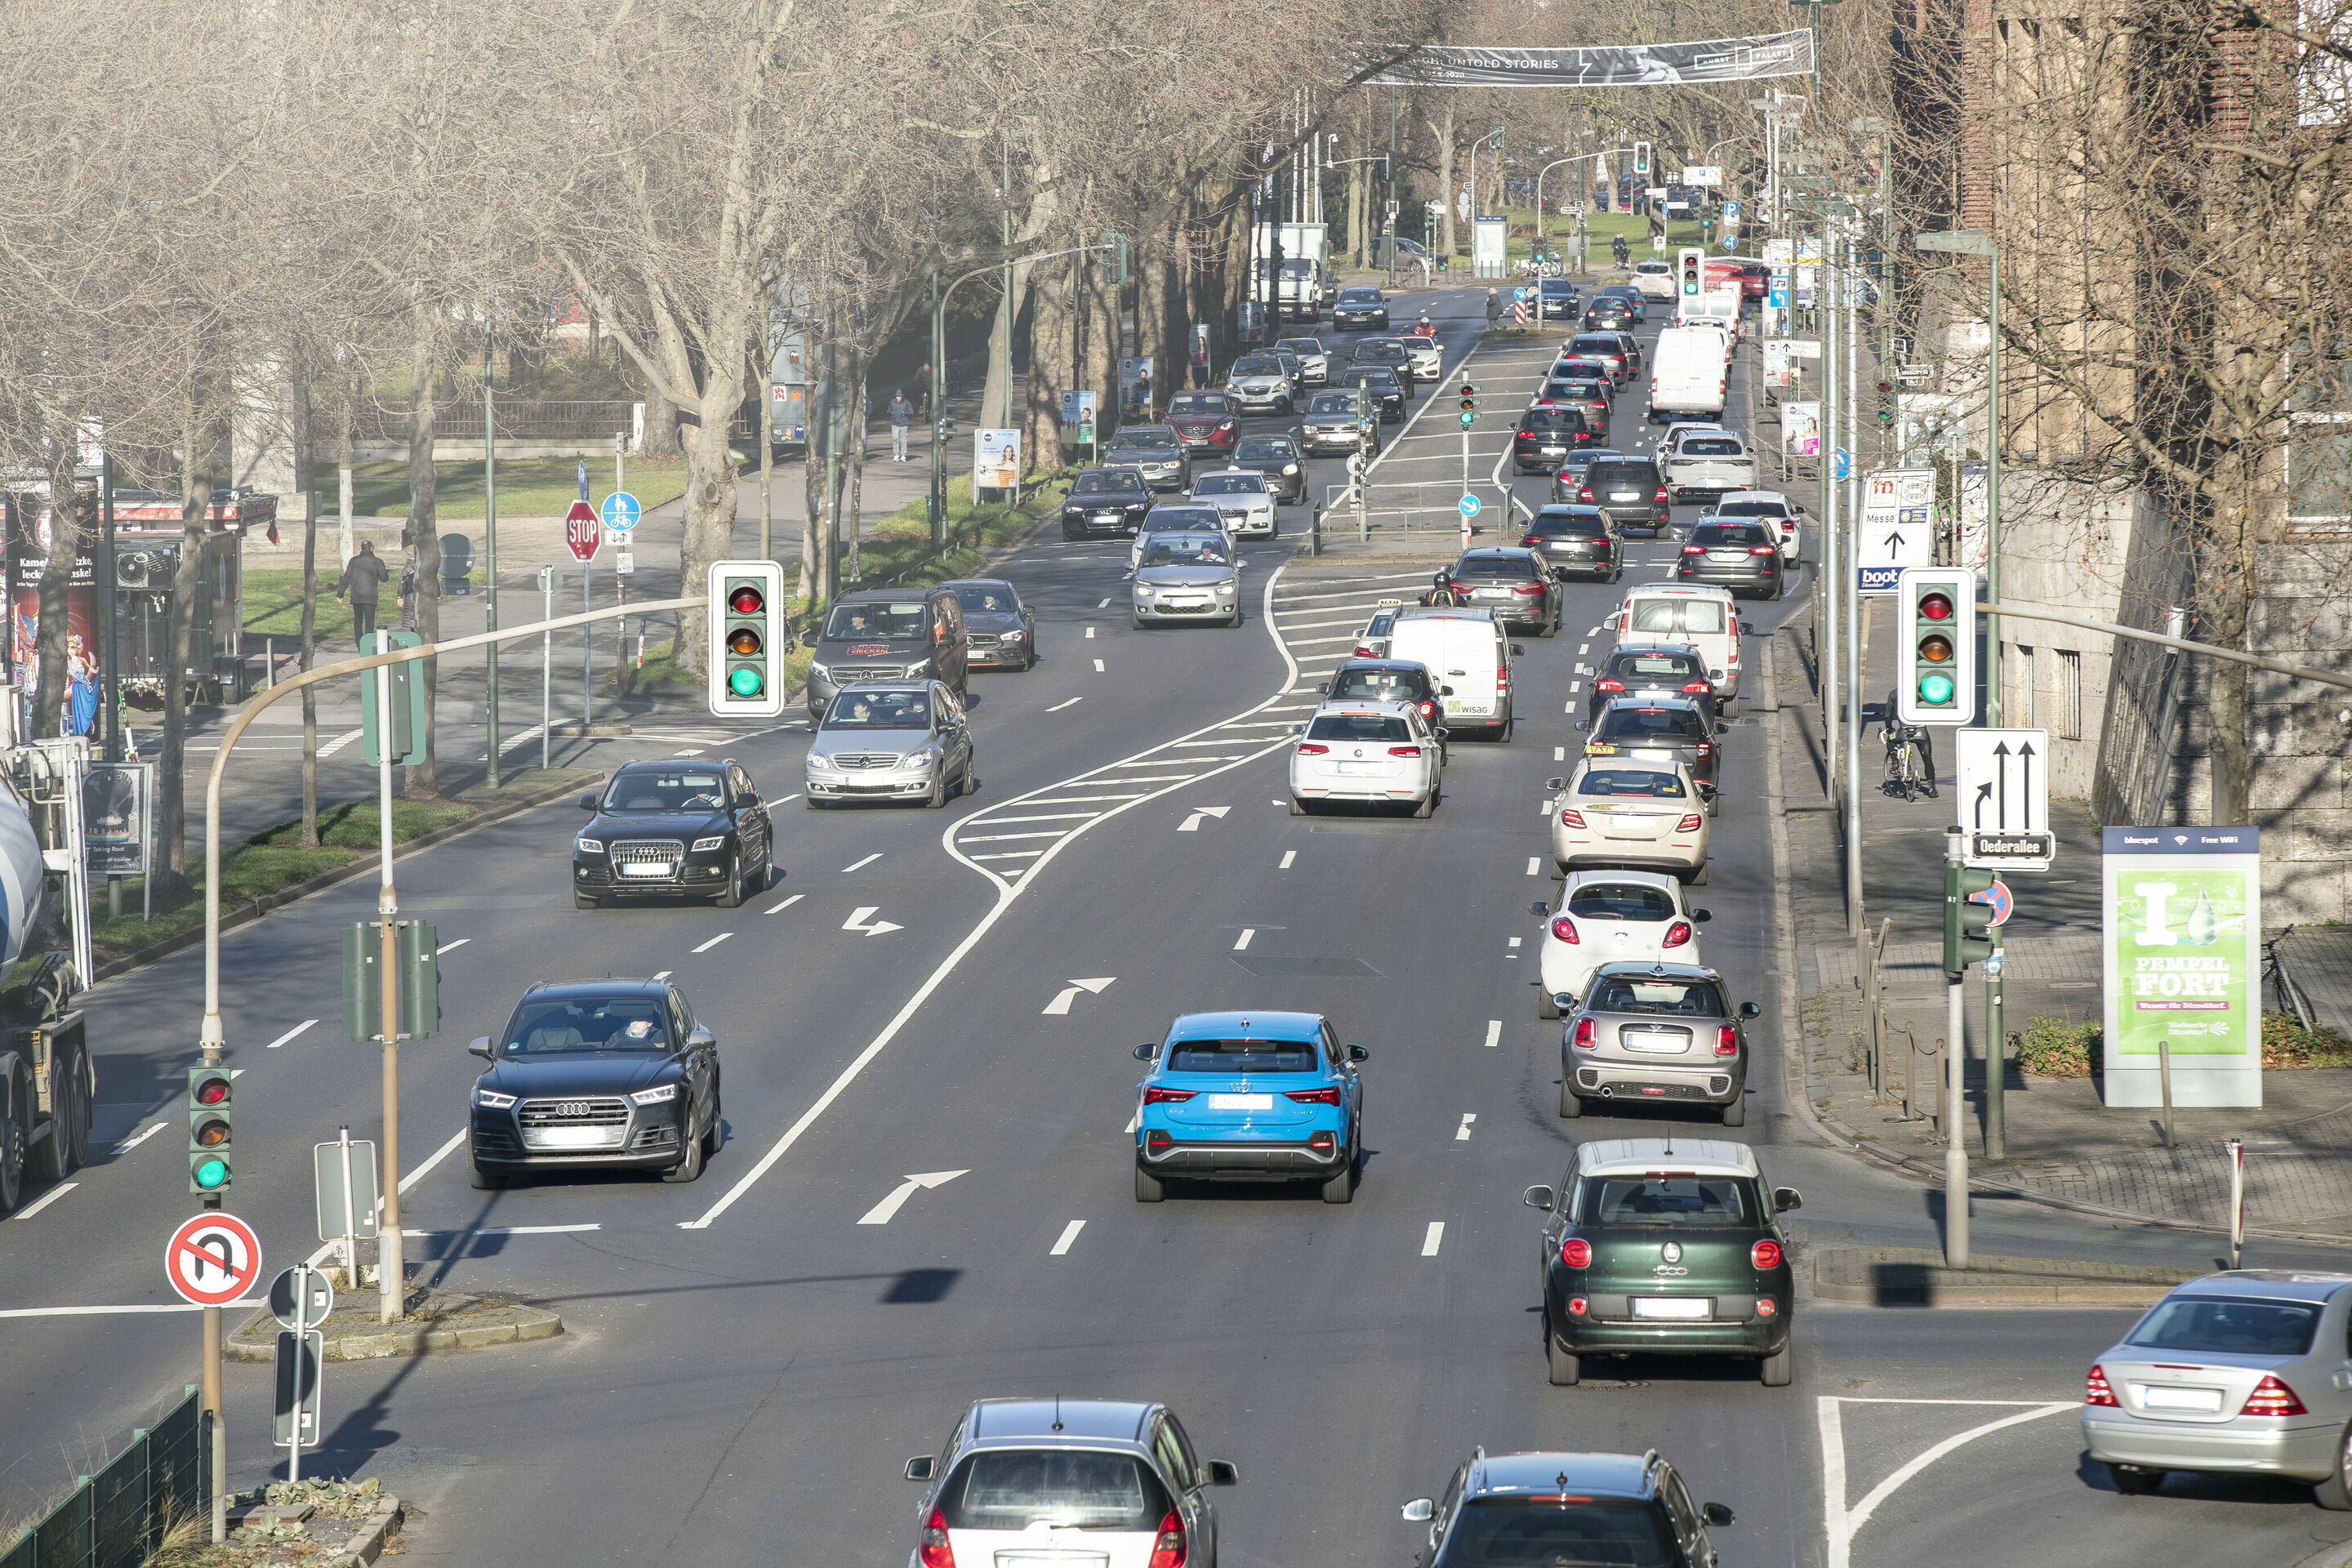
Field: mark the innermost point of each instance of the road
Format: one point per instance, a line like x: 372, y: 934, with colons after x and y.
x: 748, y: 1366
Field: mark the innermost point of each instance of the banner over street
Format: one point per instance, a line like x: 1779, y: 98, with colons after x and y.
x: 1616, y: 65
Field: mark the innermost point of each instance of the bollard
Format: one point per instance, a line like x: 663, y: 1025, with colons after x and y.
x: 2237, y: 1147
x: 2164, y: 1074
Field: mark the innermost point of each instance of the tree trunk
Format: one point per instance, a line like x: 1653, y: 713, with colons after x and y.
x: 1443, y: 131
x: 2231, y: 596
x: 661, y: 426
x: 853, y: 499
x: 1154, y: 315
x: 1049, y: 361
x: 52, y: 687
x: 424, y: 531
x: 710, y: 532
x: 1098, y: 367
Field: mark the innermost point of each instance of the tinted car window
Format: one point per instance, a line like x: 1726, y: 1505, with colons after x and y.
x: 1638, y: 783
x: 1651, y: 724
x: 1258, y: 364
x: 988, y: 601
x: 1508, y: 568
x: 1231, y: 485
x: 1381, y: 354
x: 1622, y: 476
x: 1011, y: 1489
x: 2226, y: 1325
x: 1553, y: 524
x: 1142, y: 438
x: 1651, y: 994
x: 1752, y: 508
x: 687, y: 789
x: 1536, y: 1532
x: 1597, y: 344
x: 1167, y: 516
x: 1541, y: 419
x: 1620, y: 901
x: 1359, y: 296
x: 1359, y: 727
x: 1119, y: 483
x: 1664, y: 666
x: 588, y: 1023
x: 1718, y: 533
x: 880, y: 711
x: 1266, y: 449
x: 905, y: 618
x: 1301, y: 345
x: 1243, y: 1056
x: 1710, y: 447
x: 1378, y: 685
x: 1687, y: 1203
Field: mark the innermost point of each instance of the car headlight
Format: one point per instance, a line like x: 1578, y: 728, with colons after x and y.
x: 1289, y: 467
x: 820, y: 671
x: 1016, y: 635
x: 492, y: 1100
x: 589, y: 845
x: 821, y: 763
x: 660, y: 1094
x: 919, y: 666
x: 718, y: 842
x: 1226, y: 587
x: 921, y: 759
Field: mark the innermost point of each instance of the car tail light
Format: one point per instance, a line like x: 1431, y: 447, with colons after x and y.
x: 1428, y: 709
x: 1564, y: 930
x: 1688, y: 824
x: 1571, y: 817
x: 1529, y: 588
x: 1707, y: 748
x: 1158, y: 1141
x: 1661, y: 496
x: 1676, y: 934
x: 1696, y: 686
x: 1404, y: 751
x: 2272, y: 1397
x: 1585, y: 494
x: 1313, y: 1096
x: 1156, y: 1096
x: 1587, y: 1034
x: 1576, y: 1252
x: 1363, y: 652
x: 1763, y: 549
x: 1766, y: 1306
x: 1502, y: 678
x: 1727, y: 1041
x: 1532, y: 541
x: 1765, y: 1254
x: 2095, y: 1390
x: 1609, y: 685
x: 1693, y: 549
x: 1576, y: 1306
x: 935, y: 1551
x: 1309, y: 748
x: 1168, y: 1546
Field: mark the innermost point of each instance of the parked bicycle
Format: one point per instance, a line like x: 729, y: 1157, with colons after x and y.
x: 2275, y: 981
x: 1910, y: 761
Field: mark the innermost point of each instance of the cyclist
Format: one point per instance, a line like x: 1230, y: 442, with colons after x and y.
x: 1896, y: 733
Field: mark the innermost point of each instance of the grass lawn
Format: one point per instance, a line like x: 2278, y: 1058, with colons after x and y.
x: 528, y: 487
x: 273, y: 605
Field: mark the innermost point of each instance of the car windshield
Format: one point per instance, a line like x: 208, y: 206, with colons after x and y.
x: 1187, y: 550
x: 1710, y: 447
x: 633, y: 1022
x: 867, y: 710
x: 684, y: 789
x: 1624, y: 476
x: 1010, y: 1490
x: 1724, y: 533
x: 1381, y: 354
x: 1167, y: 516
x: 1359, y: 296
x: 1199, y: 402
x: 2228, y: 1325
x: 1639, y: 783
x: 1142, y: 438
x: 1243, y: 1056
x: 1230, y: 485
x: 1656, y: 666
x: 1360, y: 727
x: 1570, y: 525
x: 1665, y: 1198
x: 1620, y: 901
x: 1656, y: 993
x: 1257, y: 364
x: 988, y: 599
x: 1103, y: 484
x: 1377, y: 685
x: 1331, y: 403
x: 1302, y: 346
x: 1537, y: 1531
x: 1653, y: 724
x: 859, y: 622
x: 1266, y: 449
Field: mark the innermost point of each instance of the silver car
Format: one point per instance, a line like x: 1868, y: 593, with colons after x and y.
x: 1709, y: 463
x: 1241, y: 496
x: 1368, y: 751
x: 2236, y: 1374
x: 1314, y: 360
x: 1187, y: 577
x: 907, y: 740
x: 1656, y: 1034
x: 1179, y: 516
x: 1260, y: 383
x: 1341, y: 421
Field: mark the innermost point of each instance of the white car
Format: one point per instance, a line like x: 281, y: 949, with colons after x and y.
x: 1314, y: 360
x: 1655, y: 279
x: 1642, y: 814
x: 1368, y: 751
x: 1241, y: 498
x: 1763, y: 506
x: 1260, y: 383
x: 1611, y: 917
x: 1424, y: 354
x: 1708, y: 462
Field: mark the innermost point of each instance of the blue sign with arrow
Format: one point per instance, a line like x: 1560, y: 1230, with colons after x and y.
x: 1469, y: 506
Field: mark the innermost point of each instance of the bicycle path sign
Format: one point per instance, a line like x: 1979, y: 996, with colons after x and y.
x: 2004, y: 799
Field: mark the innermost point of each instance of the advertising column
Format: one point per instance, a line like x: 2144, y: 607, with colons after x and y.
x: 2182, y: 913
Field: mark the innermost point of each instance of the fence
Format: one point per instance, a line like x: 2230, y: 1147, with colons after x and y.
x: 115, y: 1518
x: 1423, y: 509
x: 519, y: 419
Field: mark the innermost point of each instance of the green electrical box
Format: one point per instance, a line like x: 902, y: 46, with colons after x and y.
x: 407, y: 707
x: 419, y: 981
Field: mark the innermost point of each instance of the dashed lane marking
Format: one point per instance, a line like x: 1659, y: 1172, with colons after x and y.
x: 1099, y: 666
x: 450, y: 946
x: 138, y: 1138
x: 1069, y: 1235
x: 1462, y: 1133
x: 1073, y: 702
x: 1242, y: 940
x: 1090, y: 634
x: 1431, y: 1238
x: 868, y: 861
x: 788, y: 903
x: 1494, y: 1033
x: 1288, y: 856
x: 1533, y: 861
x: 298, y: 1029
x: 46, y: 1199
x: 714, y: 941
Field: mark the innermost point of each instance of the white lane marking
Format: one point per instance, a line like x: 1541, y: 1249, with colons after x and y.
x: 1049, y: 817
x: 1090, y: 633
x: 339, y: 742
x: 1242, y: 940
x: 782, y: 798
x: 880, y: 1213
x: 1494, y: 1032
x: 1573, y: 688
x: 510, y: 1230
x: 1533, y: 861
x: 1543, y: 807
x: 138, y: 1138
x: 1073, y: 702
x: 714, y: 941
x: 1071, y: 800
x: 1559, y: 753
x: 1192, y: 822
x: 868, y: 861
x: 788, y: 903
x: 1001, y: 837
x: 1318, y: 642
x: 1059, y: 1007
x: 110, y: 1311
x: 1287, y: 857
x: 432, y: 1159
x: 1515, y: 942
x: 1431, y: 1237
x: 1104, y: 605
x: 1134, y: 1120
x: 1841, y: 1523
x: 445, y: 946
x: 297, y: 1029
x: 1462, y: 1133
x: 1014, y: 854
x: 1069, y: 1235
x: 664, y: 973
x: 1586, y: 646
x: 1099, y: 666
x: 857, y: 921
x: 1154, y: 778
x: 46, y: 1199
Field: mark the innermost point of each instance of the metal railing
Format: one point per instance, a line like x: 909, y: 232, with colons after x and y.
x: 519, y: 419
x: 115, y: 1518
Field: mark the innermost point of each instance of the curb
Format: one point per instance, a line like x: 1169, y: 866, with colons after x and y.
x: 547, y: 1325
x: 1915, y: 1277
x: 2336, y: 1556
x: 367, y: 1545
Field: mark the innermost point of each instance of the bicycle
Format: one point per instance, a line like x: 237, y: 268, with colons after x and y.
x: 2276, y: 979
x: 1907, y: 771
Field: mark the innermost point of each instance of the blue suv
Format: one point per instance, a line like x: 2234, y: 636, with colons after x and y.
x: 1252, y: 1097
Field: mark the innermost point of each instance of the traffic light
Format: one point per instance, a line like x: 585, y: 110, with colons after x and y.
x: 1936, y: 644
x: 1469, y: 404
x: 1887, y: 403
x: 1690, y: 270
x: 1965, y: 922
x: 209, y: 1093
x: 417, y: 946
x: 749, y: 637
x: 1641, y: 160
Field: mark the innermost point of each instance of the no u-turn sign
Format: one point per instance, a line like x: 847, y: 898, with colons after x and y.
x: 213, y: 1259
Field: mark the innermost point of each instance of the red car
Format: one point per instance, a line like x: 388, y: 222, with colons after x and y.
x: 1205, y: 421
x: 1754, y: 280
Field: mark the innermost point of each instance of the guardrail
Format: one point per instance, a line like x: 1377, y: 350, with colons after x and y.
x: 116, y: 1518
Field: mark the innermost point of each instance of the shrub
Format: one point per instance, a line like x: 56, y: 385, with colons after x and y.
x: 2287, y: 1043
x: 2057, y: 1047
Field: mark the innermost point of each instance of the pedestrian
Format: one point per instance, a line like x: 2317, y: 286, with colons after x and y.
x: 362, y: 580
x: 408, y: 593
x: 1494, y: 307
x: 902, y: 414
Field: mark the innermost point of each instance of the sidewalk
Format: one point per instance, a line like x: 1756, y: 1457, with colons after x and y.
x: 2062, y: 1145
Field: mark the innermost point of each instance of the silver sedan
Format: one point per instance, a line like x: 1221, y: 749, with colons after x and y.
x: 1187, y: 577
x: 901, y: 742
x: 1241, y: 495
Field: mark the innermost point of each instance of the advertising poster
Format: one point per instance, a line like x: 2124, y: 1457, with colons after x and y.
x: 2183, y: 917
x: 1134, y: 388
x: 995, y: 459
x: 1486, y: 247
x: 82, y: 649
x: 1801, y: 429
x: 114, y: 797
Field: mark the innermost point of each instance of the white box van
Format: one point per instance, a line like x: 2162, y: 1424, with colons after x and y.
x: 1703, y: 619
x: 1687, y: 372
x: 1720, y: 306
x: 1468, y: 657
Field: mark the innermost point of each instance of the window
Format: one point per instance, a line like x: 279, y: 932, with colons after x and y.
x: 1243, y: 1056
x: 1008, y: 1489
x: 1365, y: 729
x: 1682, y: 1202
x: 2024, y: 687
x: 2228, y: 1325
x: 2070, y: 695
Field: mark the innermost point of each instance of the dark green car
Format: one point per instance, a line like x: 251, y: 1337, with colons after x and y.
x: 1666, y: 1247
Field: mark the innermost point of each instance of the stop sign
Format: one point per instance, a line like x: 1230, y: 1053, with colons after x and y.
x: 580, y: 533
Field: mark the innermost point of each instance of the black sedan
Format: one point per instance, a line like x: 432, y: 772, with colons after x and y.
x: 1380, y: 382
x: 1609, y: 313
x: 1576, y: 539
x: 595, y: 1074
x: 1546, y: 437
x: 681, y: 828
x: 999, y: 631
x: 1666, y: 730
x: 1744, y: 557
x: 1555, y: 300
x: 1106, y: 503
x: 1280, y: 460
x: 1390, y: 353
x: 1360, y: 310
x: 1649, y: 672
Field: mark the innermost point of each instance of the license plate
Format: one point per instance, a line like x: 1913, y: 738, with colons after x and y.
x: 1107, y: 517
x: 1653, y: 1042
x: 574, y: 1137
x: 1361, y: 767
x: 1624, y: 495
x: 1653, y: 756
x: 1240, y: 1102
x: 648, y: 868
x: 1672, y: 1307
x: 2205, y: 1401
x: 1637, y: 823
x: 1725, y: 556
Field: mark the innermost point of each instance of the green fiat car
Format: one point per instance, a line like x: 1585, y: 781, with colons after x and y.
x: 1666, y: 1247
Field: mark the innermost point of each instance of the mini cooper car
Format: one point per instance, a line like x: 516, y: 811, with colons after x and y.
x: 1261, y: 1097
x: 1657, y: 1033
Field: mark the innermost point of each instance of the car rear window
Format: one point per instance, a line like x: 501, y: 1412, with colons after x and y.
x: 1697, y: 615
x: 1663, y: 666
x: 1378, y: 685
x: 1501, y: 567
x: 1569, y: 525
x: 1012, y: 1488
x: 1620, y: 901
x: 1752, y: 508
x: 1537, y: 1531
x: 2228, y: 1325
x: 1684, y: 1203
x: 1243, y: 1056
x: 1359, y: 727
x: 1721, y: 533
x: 1710, y: 447
x: 1536, y: 420
x: 1596, y: 343
x: 1641, y: 476
x: 1655, y: 993
x: 1654, y: 724
x: 1645, y: 784
x: 1556, y: 286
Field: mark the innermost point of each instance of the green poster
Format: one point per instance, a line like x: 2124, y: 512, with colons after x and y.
x: 2183, y: 973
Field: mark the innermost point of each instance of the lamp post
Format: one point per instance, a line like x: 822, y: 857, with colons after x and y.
x: 1976, y: 242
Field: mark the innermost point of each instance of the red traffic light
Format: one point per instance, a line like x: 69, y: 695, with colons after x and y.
x: 747, y: 600
x: 1935, y: 606
x: 210, y: 1092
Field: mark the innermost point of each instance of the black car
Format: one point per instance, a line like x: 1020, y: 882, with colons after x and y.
x: 597, y: 1075
x: 1386, y: 680
x: 1631, y: 491
x: 1576, y: 539
x: 1566, y: 1508
x: 1153, y: 451
x: 1555, y: 300
x: 681, y: 828
x: 1359, y: 311
x: 1513, y: 583
x: 1001, y: 629
x: 1631, y: 347
x: 1744, y: 557
x: 1609, y: 313
x: 1608, y: 349
x: 1105, y: 503
x: 1381, y: 383
x: 1647, y: 672
x: 1570, y: 477
x: 1390, y: 353
x: 1668, y: 729
x: 1280, y: 460
x: 1546, y: 437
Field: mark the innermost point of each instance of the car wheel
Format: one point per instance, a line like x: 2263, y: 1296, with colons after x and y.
x: 1502, y: 732
x: 1571, y: 1104
x: 1777, y: 1368
x: 1341, y: 1188
x: 937, y: 798
x: 1298, y: 806
x: 1029, y: 661
x: 1236, y: 619
x: 732, y: 894
x: 690, y: 1164
x: 1696, y: 878
x: 484, y: 1181
x: 1563, y: 1368
x: 52, y: 1159
x: 1713, y: 799
x: 1148, y: 1188
x: 710, y: 1133
x: 2335, y: 1493
x: 588, y: 901
x: 1736, y: 1113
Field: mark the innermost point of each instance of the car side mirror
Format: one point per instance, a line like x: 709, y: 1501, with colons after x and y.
x: 1799, y: 509
x: 808, y: 637
x: 588, y: 802
x: 699, y: 1038
x: 1555, y: 784
x: 1748, y: 628
x: 1540, y: 909
x: 1584, y: 723
x: 922, y: 1467
x: 1445, y: 691
x: 1584, y: 669
x: 1323, y: 689
x: 1146, y: 1051
x: 1519, y: 652
x: 747, y: 799
x: 1563, y: 1001
x: 1723, y: 729
x: 1358, y: 1053
x: 1700, y: 916
x: 1539, y: 1198
x: 1420, y: 1511
x: 480, y: 1048
x: 1750, y: 1010
x: 1715, y: 1513
x: 1224, y: 1473
x: 1298, y: 729
x: 1786, y: 1198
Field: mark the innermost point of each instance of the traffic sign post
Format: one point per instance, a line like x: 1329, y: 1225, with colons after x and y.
x: 299, y: 1298
x: 343, y: 1188
x: 2004, y: 799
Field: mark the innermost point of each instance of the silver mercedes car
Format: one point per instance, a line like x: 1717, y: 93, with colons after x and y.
x: 1260, y: 383
x: 1187, y: 577
x: 908, y: 741
x: 1241, y: 495
x: 1314, y: 360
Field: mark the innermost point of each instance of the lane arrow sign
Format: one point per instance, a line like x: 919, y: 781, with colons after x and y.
x: 1192, y: 822
x: 2000, y: 775
x: 1894, y: 543
x: 858, y: 918
x: 1059, y: 1006
x: 880, y: 1213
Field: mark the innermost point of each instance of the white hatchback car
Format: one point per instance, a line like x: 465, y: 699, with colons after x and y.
x: 1241, y: 498
x: 1611, y: 917
x: 1368, y: 751
x: 1655, y: 279
x: 1630, y: 813
x: 1764, y: 506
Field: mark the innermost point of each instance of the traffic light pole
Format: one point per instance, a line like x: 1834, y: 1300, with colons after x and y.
x: 391, y: 1275
x: 1955, y: 1055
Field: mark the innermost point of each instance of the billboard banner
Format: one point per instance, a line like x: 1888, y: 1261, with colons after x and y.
x: 995, y: 459
x: 2183, y: 940
x: 1616, y: 65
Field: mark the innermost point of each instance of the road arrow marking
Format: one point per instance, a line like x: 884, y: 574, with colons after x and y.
x: 857, y: 921
x: 1192, y: 822
x: 1060, y: 1005
x: 880, y: 1213
x: 1462, y: 1133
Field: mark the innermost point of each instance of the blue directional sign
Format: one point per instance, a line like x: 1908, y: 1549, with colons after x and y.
x: 1779, y: 298
x: 622, y: 512
x: 1731, y: 242
x: 1469, y: 506
x: 1844, y: 464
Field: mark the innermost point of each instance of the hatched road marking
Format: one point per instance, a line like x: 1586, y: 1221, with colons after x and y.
x: 1069, y: 1235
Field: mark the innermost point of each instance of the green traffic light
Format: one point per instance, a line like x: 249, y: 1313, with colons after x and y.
x: 1936, y: 688
x: 1468, y: 418
x: 212, y: 1173
x: 743, y: 682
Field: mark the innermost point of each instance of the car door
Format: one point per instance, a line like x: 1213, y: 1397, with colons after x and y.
x: 1692, y: 1533
x: 750, y: 816
x: 1188, y: 1478
x: 701, y: 1062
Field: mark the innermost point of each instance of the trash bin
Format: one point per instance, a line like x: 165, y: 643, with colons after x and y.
x: 457, y: 563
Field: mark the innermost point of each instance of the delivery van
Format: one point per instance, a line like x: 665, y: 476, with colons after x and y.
x: 1468, y: 657
x: 1703, y: 619
x: 1689, y: 372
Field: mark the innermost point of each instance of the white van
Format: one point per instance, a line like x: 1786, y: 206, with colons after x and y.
x: 1720, y: 306
x: 1468, y: 657
x: 1703, y: 619
x: 1688, y: 371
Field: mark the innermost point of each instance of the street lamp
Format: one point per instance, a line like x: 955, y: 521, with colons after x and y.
x: 1976, y: 242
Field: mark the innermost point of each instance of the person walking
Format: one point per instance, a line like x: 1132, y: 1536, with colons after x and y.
x: 1494, y: 307
x: 363, y: 581
x: 902, y: 414
x: 408, y: 586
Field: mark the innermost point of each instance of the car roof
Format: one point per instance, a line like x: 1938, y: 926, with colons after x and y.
x: 1621, y: 1475
x: 611, y: 986
x: 2295, y: 1284
x: 887, y: 596
x: 978, y: 583
x: 1675, y: 701
x: 1028, y: 1422
x: 1634, y: 1156
x: 1398, y: 664
x: 1269, y: 1023
x: 1465, y: 613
